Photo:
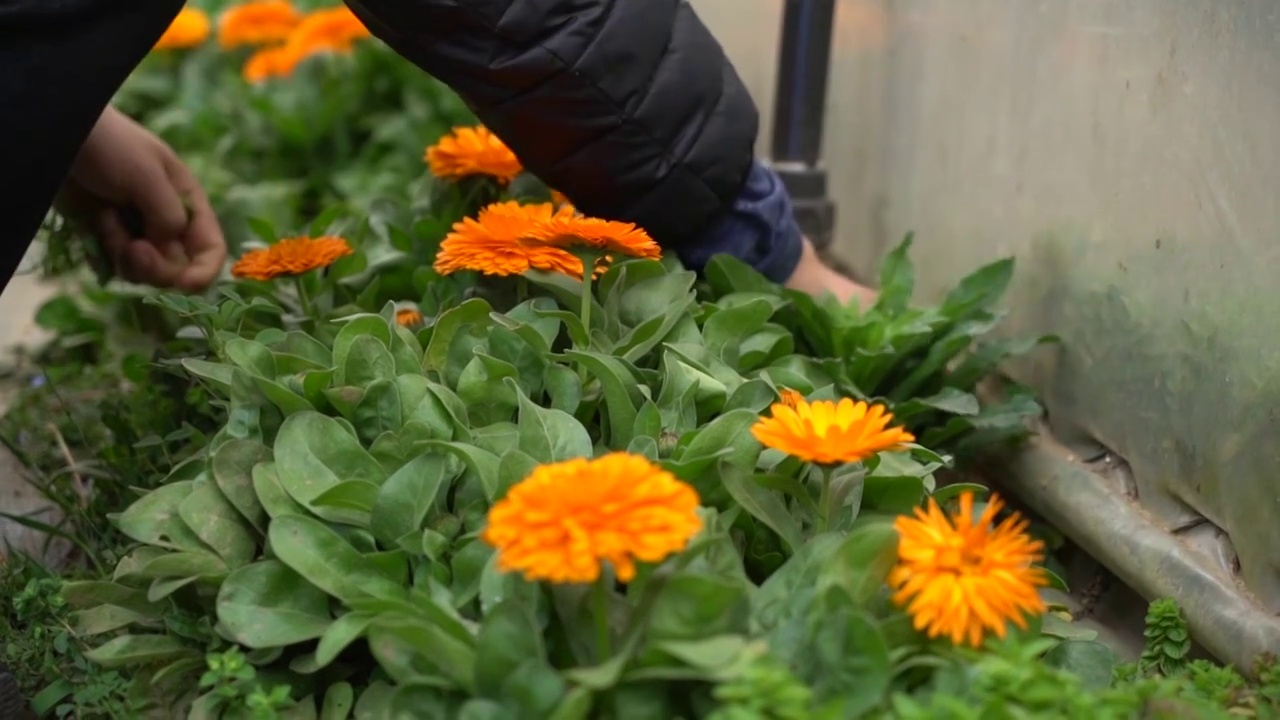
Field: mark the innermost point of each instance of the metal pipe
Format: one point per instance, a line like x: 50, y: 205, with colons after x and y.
x: 799, y: 108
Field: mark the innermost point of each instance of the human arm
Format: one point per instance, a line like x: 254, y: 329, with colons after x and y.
x: 629, y: 107
x: 62, y: 63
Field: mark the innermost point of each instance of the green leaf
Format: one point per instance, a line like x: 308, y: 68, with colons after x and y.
x: 563, y: 387
x: 1091, y: 661
x: 356, y: 495
x: 483, y: 389
x: 661, y: 296
x: 508, y: 638
x: 694, y: 606
x: 232, y: 467
x: 897, y: 279
x: 339, y: 635
x: 761, y: 503
x: 267, y: 605
x: 378, y: 411
x: 219, y: 374
x: 154, y: 519
x: 724, y: 331
x: 549, y: 435
x: 459, y: 319
x: 513, y: 467
x: 129, y: 650
x: 847, y: 657
x: 481, y: 462
x: 218, y: 524
x: 576, y: 705
x: 728, y: 274
x: 731, y: 430
x: 621, y: 392
x: 339, y: 700
x: 979, y: 290
x: 367, y: 360
x: 450, y: 656
x: 360, y: 328
x: 326, y: 560
x: 648, y: 421
x: 252, y: 357
x: 275, y: 501
x: 863, y: 561
x: 407, y: 496
x: 315, y: 453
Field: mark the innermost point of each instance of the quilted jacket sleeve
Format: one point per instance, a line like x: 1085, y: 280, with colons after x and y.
x: 629, y: 107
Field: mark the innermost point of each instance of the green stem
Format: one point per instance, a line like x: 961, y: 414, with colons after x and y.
x: 824, y: 500
x: 604, y: 643
x: 303, y: 299
x: 588, y: 266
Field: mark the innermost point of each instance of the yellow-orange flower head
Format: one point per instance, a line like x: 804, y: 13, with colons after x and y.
x: 827, y: 432
x: 290, y: 256
x: 500, y: 241
x: 333, y: 29
x: 472, y: 151
x: 790, y: 398
x: 565, y: 519
x: 257, y: 22
x: 190, y: 28
x: 270, y: 62
x: 558, y: 198
x: 568, y: 229
x: 408, y: 317
x: 961, y: 579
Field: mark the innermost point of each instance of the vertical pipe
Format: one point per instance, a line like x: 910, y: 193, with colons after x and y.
x: 799, y: 110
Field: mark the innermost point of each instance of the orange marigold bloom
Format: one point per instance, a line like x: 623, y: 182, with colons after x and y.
x: 790, y: 398
x: 961, y: 579
x: 290, y: 256
x: 257, y: 22
x: 827, y: 432
x: 329, y: 30
x: 558, y: 198
x: 568, y: 229
x: 499, y: 242
x: 270, y: 62
x: 408, y: 317
x: 190, y: 28
x: 470, y: 151
x: 565, y: 519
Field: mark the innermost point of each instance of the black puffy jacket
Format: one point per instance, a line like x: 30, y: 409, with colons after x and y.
x: 630, y: 107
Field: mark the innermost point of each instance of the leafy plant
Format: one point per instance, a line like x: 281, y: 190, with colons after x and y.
x: 1168, y: 639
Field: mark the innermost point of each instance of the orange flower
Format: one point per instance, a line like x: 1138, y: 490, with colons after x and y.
x: 960, y: 579
x: 498, y: 242
x: 469, y: 151
x: 270, y: 62
x: 568, y: 229
x: 827, y: 432
x: 565, y: 519
x: 290, y: 256
x: 257, y: 22
x: 790, y: 398
x: 329, y: 30
x: 190, y: 28
x: 558, y: 198
x: 408, y: 317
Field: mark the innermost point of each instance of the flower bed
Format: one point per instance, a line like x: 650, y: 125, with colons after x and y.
x: 475, y: 455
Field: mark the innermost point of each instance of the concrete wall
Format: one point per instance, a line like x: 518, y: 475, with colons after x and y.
x: 1128, y: 153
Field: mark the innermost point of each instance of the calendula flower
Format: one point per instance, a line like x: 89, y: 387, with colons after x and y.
x: 558, y: 198
x: 472, y: 151
x: 499, y: 241
x: 408, y: 317
x: 333, y: 29
x: 827, y: 432
x: 565, y: 519
x: 257, y: 22
x: 790, y: 398
x: 568, y: 229
x: 961, y: 579
x: 270, y: 62
x: 290, y: 256
x: 190, y: 28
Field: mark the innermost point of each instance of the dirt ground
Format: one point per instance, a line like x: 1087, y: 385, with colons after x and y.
x: 18, y: 305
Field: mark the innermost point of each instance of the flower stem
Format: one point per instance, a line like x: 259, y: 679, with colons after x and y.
x: 303, y: 299
x: 824, y: 500
x: 604, y: 643
x: 586, y: 297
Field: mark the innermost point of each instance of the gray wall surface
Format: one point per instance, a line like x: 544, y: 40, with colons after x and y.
x: 1127, y: 152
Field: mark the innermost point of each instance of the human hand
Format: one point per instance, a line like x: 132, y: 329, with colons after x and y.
x: 151, y: 215
x: 812, y: 276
